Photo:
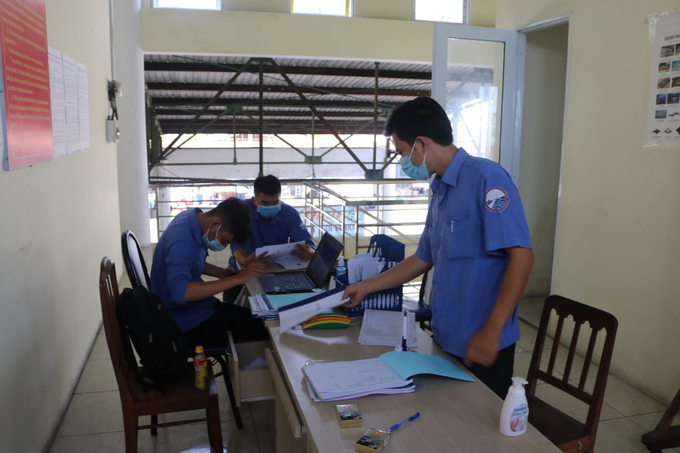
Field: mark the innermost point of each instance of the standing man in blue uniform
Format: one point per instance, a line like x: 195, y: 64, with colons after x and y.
x: 179, y: 262
x: 274, y: 223
x: 475, y: 236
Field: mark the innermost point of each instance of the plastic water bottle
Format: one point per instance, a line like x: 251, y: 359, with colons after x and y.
x: 341, y: 272
x: 201, y: 367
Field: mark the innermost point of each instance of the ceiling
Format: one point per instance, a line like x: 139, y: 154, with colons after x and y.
x: 240, y: 95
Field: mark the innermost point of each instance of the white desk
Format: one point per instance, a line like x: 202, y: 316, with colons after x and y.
x: 455, y: 416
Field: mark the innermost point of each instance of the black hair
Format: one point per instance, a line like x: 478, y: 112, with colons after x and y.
x: 268, y: 185
x: 421, y: 116
x: 235, y: 216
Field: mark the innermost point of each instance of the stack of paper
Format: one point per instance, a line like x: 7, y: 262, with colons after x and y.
x: 335, y: 381
x: 293, y: 309
x: 388, y: 374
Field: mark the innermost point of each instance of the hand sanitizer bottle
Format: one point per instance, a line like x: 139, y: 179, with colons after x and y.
x: 515, y: 412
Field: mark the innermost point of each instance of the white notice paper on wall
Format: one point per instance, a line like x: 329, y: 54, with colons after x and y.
x: 71, y: 104
x: 83, y: 108
x: 57, y: 103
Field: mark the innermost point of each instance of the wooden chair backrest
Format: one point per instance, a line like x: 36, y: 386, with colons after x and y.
x: 585, y: 318
x: 116, y: 338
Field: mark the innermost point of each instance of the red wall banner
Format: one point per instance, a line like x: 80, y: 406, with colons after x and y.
x: 25, y: 73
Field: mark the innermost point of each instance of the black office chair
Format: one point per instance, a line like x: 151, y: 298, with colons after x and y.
x: 139, y: 275
x: 420, y: 308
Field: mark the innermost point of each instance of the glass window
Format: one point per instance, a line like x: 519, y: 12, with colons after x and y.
x: 188, y: 4
x: 322, y: 7
x: 453, y: 11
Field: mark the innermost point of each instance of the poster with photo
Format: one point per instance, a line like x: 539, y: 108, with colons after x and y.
x: 663, y: 113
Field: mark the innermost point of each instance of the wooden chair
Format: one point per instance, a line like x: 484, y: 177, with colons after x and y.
x: 176, y: 396
x: 569, y: 434
x: 665, y: 435
x: 135, y: 265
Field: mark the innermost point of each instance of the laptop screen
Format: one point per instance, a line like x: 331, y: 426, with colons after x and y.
x: 321, y: 264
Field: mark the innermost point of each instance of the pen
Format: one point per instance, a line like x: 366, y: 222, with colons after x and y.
x: 398, y: 425
x: 403, y: 338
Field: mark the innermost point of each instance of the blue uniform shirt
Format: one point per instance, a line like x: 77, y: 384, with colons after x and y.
x: 475, y: 212
x: 179, y: 258
x: 283, y: 226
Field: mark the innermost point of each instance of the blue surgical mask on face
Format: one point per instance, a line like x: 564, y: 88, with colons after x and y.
x: 269, y: 212
x: 214, y: 245
x: 413, y: 172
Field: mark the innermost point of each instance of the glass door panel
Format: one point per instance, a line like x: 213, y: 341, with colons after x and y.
x: 476, y: 77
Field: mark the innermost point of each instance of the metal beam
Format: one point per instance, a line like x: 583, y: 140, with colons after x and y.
x: 292, y: 70
x: 275, y: 89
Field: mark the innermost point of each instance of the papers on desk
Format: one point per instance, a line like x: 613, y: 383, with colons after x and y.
x: 388, y: 374
x: 267, y: 306
x: 335, y: 381
x: 294, y: 314
x: 385, y: 328
x: 280, y: 254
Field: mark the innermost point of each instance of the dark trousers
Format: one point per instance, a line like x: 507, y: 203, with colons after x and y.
x: 239, y: 320
x: 498, y: 377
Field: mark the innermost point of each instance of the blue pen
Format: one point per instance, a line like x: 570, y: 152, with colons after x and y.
x: 398, y: 425
x: 403, y: 337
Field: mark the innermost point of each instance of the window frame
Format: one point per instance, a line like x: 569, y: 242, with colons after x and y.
x: 349, y: 9
x: 220, y: 4
x: 466, y: 14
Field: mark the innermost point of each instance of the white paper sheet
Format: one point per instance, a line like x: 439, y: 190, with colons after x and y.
x: 290, y: 318
x: 277, y: 251
x: 57, y: 103
x: 385, y: 328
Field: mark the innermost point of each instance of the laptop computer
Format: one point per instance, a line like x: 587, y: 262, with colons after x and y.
x: 314, y: 277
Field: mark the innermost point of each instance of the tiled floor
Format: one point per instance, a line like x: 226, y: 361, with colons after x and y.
x: 93, y: 422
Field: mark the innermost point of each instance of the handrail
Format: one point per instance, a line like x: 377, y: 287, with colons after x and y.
x: 322, y: 193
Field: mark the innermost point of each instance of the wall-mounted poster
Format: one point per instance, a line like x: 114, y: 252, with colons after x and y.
x: 25, y: 71
x: 663, y: 110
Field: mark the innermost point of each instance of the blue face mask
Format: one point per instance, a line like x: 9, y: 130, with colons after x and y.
x: 269, y: 212
x: 413, y: 172
x: 214, y: 245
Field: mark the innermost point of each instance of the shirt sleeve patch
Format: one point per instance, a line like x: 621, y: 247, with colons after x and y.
x: 496, y: 199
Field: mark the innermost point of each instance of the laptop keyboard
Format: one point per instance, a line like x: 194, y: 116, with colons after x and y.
x: 293, y: 281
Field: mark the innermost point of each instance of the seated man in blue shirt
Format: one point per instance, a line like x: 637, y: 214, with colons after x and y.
x: 475, y: 236
x: 274, y: 223
x: 179, y: 261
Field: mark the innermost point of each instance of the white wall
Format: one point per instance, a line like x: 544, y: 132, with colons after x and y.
x: 617, y: 232
x: 59, y: 218
x: 541, y: 149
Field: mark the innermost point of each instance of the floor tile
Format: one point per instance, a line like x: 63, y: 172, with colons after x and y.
x: 628, y: 400
x: 522, y: 362
x: 263, y: 420
x: 649, y: 421
x: 93, y: 413
x: 98, y: 376
x: 102, y: 443
x: 100, y: 350
x: 619, y: 435
x: 528, y: 335
x: 194, y: 439
x: 572, y: 406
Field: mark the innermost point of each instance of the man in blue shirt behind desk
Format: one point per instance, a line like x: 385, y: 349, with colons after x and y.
x: 274, y: 223
x: 475, y: 236
x: 179, y: 261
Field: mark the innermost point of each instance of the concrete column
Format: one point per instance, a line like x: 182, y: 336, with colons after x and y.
x: 128, y: 68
